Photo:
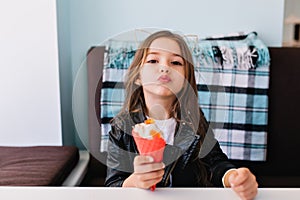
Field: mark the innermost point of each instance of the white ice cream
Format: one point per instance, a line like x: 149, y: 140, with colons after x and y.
x: 144, y: 130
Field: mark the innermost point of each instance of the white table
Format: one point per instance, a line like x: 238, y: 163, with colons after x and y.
x: 101, y: 193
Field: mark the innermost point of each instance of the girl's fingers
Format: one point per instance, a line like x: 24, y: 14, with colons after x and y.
x: 244, y: 183
x: 150, y: 175
x: 145, y: 168
x: 148, y: 183
x: 139, y: 160
x: 240, y: 177
x: 146, y: 172
x: 144, y: 164
x: 248, y: 186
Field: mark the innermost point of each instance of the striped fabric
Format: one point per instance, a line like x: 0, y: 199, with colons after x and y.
x: 232, y: 74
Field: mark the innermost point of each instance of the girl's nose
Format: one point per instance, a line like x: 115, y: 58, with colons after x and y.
x: 164, y: 69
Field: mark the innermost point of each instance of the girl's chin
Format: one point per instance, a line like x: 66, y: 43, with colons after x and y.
x: 162, y: 94
x: 162, y: 90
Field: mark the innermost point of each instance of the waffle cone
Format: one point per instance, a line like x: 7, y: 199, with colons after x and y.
x: 153, y: 147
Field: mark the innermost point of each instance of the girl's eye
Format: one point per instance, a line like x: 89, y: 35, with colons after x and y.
x: 152, y: 61
x: 177, y: 63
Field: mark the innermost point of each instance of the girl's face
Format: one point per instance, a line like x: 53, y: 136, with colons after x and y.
x: 162, y: 74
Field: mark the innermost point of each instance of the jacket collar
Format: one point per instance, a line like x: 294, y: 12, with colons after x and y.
x: 184, y: 133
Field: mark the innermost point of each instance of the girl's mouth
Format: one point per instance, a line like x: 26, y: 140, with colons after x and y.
x: 164, y: 79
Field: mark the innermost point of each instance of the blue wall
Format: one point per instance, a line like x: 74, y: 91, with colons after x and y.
x: 82, y: 24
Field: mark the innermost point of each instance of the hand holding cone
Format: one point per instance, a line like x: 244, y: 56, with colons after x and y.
x: 151, y: 146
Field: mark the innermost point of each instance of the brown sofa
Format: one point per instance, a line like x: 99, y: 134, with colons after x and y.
x: 36, y: 165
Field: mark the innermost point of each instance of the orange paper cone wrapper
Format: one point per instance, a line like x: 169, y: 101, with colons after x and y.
x: 153, y: 147
x: 150, y: 147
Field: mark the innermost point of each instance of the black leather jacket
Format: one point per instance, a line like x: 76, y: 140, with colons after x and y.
x: 182, y: 159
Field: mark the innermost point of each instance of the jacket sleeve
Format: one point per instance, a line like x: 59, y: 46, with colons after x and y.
x: 119, y: 159
x: 212, y: 155
x: 217, y: 163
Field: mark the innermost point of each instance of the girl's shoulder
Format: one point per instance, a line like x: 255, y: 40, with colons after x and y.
x: 126, y: 120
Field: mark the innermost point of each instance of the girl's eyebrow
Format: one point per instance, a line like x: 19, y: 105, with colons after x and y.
x: 156, y: 53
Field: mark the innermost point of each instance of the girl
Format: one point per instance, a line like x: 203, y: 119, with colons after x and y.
x: 161, y: 85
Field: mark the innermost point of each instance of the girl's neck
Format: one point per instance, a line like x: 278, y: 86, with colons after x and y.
x: 159, y: 108
x: 158, y: 112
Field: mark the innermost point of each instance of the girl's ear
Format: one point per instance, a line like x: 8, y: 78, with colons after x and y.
x: 138, y: 82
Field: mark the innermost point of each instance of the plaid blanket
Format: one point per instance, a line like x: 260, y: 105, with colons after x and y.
x: 232, y: 74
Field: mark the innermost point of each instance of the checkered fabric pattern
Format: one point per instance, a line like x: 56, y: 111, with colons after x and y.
x: 232, y: 74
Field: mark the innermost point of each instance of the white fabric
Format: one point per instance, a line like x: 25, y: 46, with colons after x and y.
x: 223, y: 178
x: 167, y: 127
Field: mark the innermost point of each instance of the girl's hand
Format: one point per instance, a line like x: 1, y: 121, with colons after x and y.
x: 243, y: 182
x: 146, y: 173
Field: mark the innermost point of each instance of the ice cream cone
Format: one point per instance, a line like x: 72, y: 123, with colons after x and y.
x: 153, y: 147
